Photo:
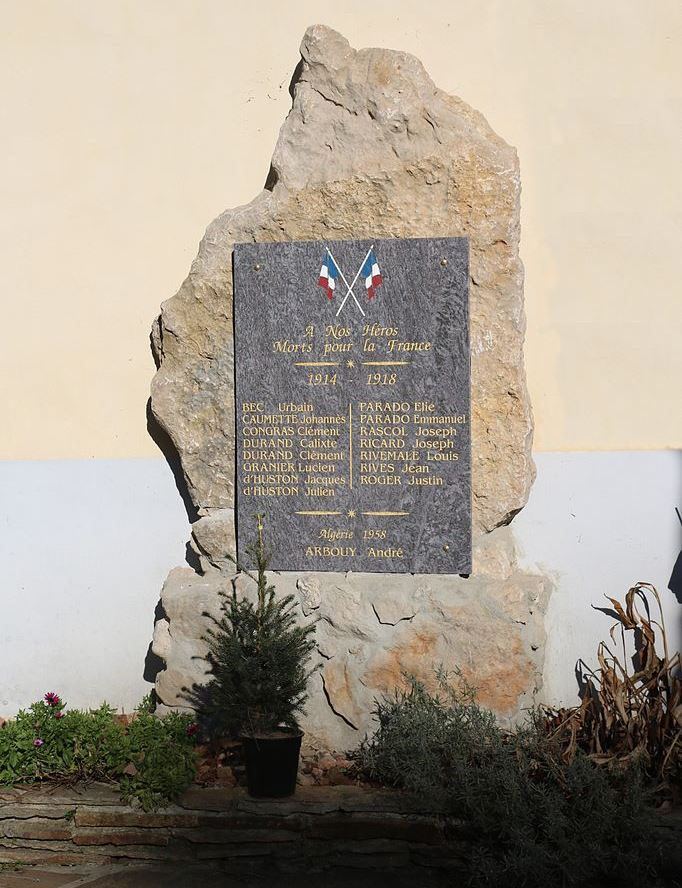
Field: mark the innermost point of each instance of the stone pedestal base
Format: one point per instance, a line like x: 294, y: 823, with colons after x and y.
x: 371, y: 629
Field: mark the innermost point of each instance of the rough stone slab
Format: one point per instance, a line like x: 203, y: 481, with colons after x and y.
x: 333, y: 799
x: 208, y: 836
x: 372, y: 628
x: 124, y: 817
x: 32, y: 844
x: 223, y: 851
x: 213, y: 538
x: 236, y: 820
x: 210, y: 798
x: 456, y: 859
x: 287, y: 807
x: 45, y: 856
x: 142, y: 852
x: 33, y: 879
x: 44, y: 812
x: 371, y: 149
x: 102, y: 836
x: 363, y: 828
x: 48, y: 794
x: 369, y: 854
x: 46, y: 830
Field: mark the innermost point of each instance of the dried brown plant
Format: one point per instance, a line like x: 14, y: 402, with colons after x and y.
x: 629, y: 714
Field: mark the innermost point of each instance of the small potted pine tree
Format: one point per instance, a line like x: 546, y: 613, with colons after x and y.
x: 259, y: 659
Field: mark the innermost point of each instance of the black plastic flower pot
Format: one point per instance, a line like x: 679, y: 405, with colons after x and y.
x: 272, y: 763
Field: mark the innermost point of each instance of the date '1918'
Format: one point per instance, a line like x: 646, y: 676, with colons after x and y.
x: 382, y: 378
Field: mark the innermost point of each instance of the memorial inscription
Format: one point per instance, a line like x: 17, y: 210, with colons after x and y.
x: 352, y: 403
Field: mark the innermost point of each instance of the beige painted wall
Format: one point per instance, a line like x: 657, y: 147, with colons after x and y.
x: 127, y: 125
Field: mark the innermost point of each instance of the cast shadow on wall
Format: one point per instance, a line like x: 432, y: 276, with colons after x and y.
x: 153, y: 664
x: 162, y: 440
x: 675, y: 582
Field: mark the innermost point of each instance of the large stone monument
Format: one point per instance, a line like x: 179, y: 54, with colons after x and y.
x: 370, y: 149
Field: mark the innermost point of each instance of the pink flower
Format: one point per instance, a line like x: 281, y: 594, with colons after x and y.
x: 192, y: 729
x: 59, y: 714
x: 38, y: 742
x: 52, y: 699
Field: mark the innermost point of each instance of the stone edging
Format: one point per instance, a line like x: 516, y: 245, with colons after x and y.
x: 318, y: 827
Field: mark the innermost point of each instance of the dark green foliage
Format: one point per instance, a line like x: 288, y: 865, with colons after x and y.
x: 163, y: 756
x: 152, y: 759
x: 259, y: 660
x: 147, y: 703
x: 536, y: 820
x: 75, y: 746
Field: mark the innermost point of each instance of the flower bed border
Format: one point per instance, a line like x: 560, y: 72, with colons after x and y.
x: 317, y: 828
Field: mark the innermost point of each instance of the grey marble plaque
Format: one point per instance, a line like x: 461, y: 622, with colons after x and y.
x: 352, y: 403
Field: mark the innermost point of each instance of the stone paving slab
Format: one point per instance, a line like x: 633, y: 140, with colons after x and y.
x: 35, y: 879
x: 196, y: 876
x: 51, y: 795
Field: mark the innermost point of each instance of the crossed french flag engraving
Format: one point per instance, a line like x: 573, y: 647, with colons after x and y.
x: 369, y: 270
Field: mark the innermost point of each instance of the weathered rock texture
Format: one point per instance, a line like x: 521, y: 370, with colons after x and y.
x: 371, y: 148
x: 371, y: 628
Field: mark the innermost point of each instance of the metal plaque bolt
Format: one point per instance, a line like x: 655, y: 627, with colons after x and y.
x: 443, y: 261
x: 256, y: 267
x: 446, y: 548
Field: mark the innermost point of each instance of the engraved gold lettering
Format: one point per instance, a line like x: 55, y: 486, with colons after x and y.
x: 336, y: 331
x: 378, y: 330
x: 429, y: 481
x: 288, y: 407
x: 330, y: 551
x: 420, y: 444
x: 287, y: 347
x: 328, y: 533
x: 381, y: 480
x: 394, y: 345
x: 457, y: 419
x: 442, y: 457
x: 333, y: 348
x: 385, y: 553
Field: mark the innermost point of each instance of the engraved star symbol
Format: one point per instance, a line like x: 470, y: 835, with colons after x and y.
x: 352, y: 513
x: 350, y: 363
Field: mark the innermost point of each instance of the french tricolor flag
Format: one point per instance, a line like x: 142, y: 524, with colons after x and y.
x: 372, y: 274
x: 328, y: 275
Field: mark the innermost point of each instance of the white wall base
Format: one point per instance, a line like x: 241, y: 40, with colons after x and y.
x: 84, y: 549
x: 598, y: 523
x: 86, y: 545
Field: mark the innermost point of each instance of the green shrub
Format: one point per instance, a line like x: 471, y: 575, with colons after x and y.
x: 536, y: 819
x: 164, y: 759
x: 259, y: 660
x: 152, y: 759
